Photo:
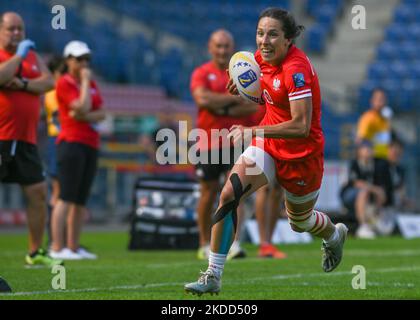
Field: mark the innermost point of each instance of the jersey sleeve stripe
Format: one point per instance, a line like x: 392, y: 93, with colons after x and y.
x: 300, y: 96
x: 299, y: 92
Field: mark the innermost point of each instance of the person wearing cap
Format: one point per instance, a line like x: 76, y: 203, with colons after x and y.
x: 80, y: 108
x: 23, y: 78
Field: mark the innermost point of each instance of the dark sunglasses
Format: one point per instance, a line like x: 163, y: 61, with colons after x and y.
x: 83, y: 58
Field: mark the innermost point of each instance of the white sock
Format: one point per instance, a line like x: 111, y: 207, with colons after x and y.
x: 333, y: 239
x: 217, y: 263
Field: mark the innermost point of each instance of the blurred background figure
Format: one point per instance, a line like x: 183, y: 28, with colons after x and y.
x: 23, y: 78
x: 80, y: 108
x: 56, y: 66
x: 374, y: 125
x: 268, y: 202
x: 365, y: 193
x: 215, y: 109
x: 399, y: 199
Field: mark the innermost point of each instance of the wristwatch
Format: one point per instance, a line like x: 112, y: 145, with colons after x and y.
x: 25, y: 84
x: 226, y: 110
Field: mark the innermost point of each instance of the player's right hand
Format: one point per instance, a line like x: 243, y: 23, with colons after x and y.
x: 85, y: 73
x: 231, y: 86
x: 23, y: 48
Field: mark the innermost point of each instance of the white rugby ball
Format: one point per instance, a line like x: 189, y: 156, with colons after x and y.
x: 245, y: 73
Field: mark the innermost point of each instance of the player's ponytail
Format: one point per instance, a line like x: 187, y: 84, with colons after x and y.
x: 290, y: 28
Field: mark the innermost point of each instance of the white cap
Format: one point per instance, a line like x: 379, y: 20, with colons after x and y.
x: 76, y: 49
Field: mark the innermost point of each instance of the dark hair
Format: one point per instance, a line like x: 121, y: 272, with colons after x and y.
x: 290, y: 28
x: 56, y: 63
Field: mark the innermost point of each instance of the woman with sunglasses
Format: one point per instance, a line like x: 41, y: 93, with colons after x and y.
x: 80, y: 108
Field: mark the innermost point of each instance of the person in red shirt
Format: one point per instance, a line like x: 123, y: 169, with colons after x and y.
x: 23, y: 78
x: 217, y: 110
x: 80, y: 108
x: 290, y: 150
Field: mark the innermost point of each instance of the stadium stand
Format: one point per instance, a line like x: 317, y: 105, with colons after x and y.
x: 325, y: 14
x: 396, y: 66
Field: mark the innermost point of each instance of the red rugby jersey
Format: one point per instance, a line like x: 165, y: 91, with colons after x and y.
x: 210, y: 77
x: 68, y: 90
x: 19, y: 110
x: 293, y: 79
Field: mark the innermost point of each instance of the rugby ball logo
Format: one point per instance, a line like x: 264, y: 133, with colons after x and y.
x: 245, y: 73
x: 247, y: 78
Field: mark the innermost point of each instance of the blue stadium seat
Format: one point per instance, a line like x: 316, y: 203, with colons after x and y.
x: 415, y: 68
x: 312, y: 6
x: 414, y: 32
x: 393, y: 89
x: 404, y: 14
x: 365, y: 91
x: 408, y: 99
x: 396, y: 32
x: 398, y: 70
x: 326, y: 16
x: 410, y: 2
x: 387, y: 51
x: 408, y: 51
x: 377, y: 71
x: 316, y: 39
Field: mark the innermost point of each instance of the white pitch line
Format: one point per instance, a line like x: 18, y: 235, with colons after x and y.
x: 361, y: 252
x: 163, y: 284
x: 339, y: 273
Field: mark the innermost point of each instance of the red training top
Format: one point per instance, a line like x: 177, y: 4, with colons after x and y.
x: 210, y: 77
x: 19, y: 110
x: 68, y: 90
x: 293, y: 79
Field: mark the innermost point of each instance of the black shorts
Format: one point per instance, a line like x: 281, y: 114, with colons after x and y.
x: 211, y: 171
x: 20, y: 163
x: 77, y: 165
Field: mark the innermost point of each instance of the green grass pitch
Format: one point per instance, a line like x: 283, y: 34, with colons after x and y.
x: 392, y: 272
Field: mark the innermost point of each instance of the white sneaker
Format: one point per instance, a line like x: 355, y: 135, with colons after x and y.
x: 365, y: 232
x: 65, y: 254
x: 236, y: 251
x: 86, y: 254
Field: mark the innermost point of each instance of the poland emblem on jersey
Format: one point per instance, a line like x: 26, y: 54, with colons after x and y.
x: 276, y: 84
